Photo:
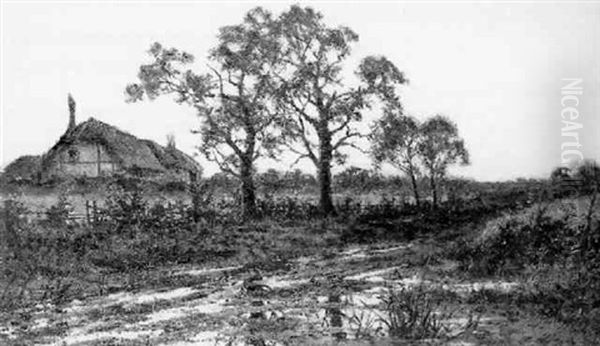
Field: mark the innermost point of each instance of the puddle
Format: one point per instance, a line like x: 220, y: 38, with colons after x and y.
x: 460, y: 288
x: 148, y: 297
x: 129, y: 335
x: 413, y: 281
x: 501, y: 286
x: 128, y: 299
x: 208, y: 338
x: 41, y: 323
x: 181, y: 312
x: 9, y: 332
x: 364, y: 299
x: 372, y: 276
x: 377, y: 276
x: 304, y: 260
x: 280, y: 282
x: 351, y: 316
x: 207, y: 271
x: 391, y: 249
x: 353, y: 253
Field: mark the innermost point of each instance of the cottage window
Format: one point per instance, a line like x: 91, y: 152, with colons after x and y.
x: 73, y: 154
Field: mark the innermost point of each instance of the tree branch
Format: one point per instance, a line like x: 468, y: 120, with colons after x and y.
x: 343, y: 141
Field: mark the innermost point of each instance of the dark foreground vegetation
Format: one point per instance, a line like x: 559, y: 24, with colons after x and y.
x: 538, y: 232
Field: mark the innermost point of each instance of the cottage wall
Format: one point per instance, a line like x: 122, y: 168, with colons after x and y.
x: 90, y: 160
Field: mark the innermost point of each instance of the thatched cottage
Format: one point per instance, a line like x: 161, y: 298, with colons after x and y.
x: 94, y: 148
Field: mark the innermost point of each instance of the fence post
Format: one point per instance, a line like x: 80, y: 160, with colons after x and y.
x: 194, y: 194
x: 94, y: 212
x: 87, y: 211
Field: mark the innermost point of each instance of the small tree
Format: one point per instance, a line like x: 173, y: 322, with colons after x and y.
x: 440, y: 146
x: 230, y: 98
x: 395, y: 139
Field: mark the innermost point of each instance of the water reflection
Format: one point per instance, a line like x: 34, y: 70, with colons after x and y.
x: 335, y: 316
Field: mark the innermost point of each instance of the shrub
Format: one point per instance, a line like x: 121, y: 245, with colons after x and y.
x: 516, y: 239
x: 125, y: 204
x: 40, y: 260
x: 417, y: 313
x: 58, y: 214
x: 559, y: 245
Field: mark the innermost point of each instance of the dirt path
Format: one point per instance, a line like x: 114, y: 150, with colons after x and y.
x: 311, y: 300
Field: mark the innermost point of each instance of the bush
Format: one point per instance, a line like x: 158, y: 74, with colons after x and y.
x: 411, y: 314
x: 558, y: 245
x: 32, y: 251
x: 510, y: 242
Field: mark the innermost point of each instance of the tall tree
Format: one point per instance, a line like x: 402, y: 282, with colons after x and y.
x: 320, y: 109
x: 395, y: 139
x: 230, y: 98
x: 439, y: 148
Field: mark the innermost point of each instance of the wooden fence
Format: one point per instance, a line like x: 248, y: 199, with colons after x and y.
x: 93, y: 213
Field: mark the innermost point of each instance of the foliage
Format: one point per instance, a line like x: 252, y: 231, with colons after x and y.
x: 231, y: 99
x: 558, y: 245
x: 362, y: 180
x: 511, y: 242
x: 583, y: 178
x: 320, y: 111
x: 126, y: 205
x: 412, y: 314
x: 588, y: 172
x: 395, y: 139
x: 58, y: 214
x: 29, y: 251
x: 440, y: 147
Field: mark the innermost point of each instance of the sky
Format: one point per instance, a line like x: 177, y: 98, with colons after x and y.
x: 495, y: 69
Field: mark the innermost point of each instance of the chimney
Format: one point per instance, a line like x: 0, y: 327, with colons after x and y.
x: 71, y: 113
x: 171, y: 141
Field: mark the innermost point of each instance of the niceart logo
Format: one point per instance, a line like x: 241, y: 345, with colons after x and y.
x: 571, y: 154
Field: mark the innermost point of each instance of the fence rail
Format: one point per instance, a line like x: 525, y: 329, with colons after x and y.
x: 94, y: 213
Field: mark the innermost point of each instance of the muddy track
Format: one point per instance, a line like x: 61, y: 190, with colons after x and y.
x: 335, y: 297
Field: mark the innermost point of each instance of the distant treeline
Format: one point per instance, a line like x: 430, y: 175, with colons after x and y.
x: 355, y: 180
x: 351, y: 181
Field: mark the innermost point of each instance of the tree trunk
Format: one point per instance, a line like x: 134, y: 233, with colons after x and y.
x: 325, y: 200
x: 248, y: 190
x: 324, y: 170
x: 433, y: 186
x: 247, y: 171
x: 415, y: 187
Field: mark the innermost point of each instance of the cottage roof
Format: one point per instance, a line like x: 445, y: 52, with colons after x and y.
x: 24, y: 167
x: 128, y: 150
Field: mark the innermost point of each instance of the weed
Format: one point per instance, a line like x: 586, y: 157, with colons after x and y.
x: 412, y: 313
